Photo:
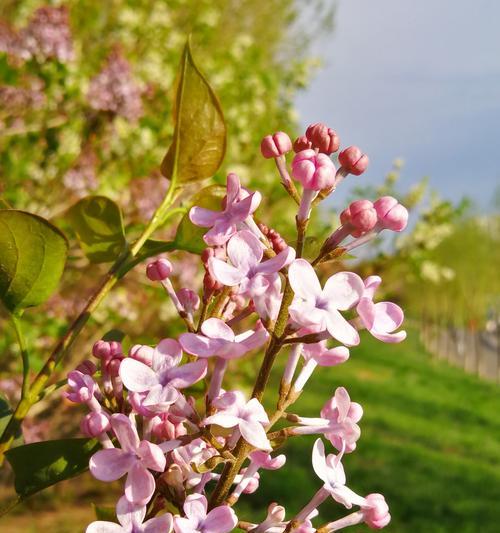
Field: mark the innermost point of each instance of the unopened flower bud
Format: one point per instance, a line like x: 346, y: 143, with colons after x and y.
x: 301, y: 143
x: 95, y: 423
x: 323, y: 138
x: 113, y: 367
x: 190, y: 301
x: 142, y: 353
x: 353, y: 160
x: 275, y: 145
x: 106, y: 349
x: 391, y: 214
x: 376, y: 514
x: 87, y: 367
x: 159, y: 270
x: 361, y: 215
x: 314, y: 171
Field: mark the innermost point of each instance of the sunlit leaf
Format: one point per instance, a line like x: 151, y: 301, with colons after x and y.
x: 32, y: 257
x: 98, y: 224
x: 190, y: 237
x: 199, y: 142
x: 42, y: 464
x: 5, y: 414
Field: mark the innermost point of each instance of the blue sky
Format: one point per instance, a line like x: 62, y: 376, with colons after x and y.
x: 418, y: 80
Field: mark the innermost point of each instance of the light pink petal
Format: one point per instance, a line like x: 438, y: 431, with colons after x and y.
x: 254, y: 434
x: 304, y: 280
x: 343, y: 290
x: 233, y: 188
x: 225, y: 273
x: 254, y: 410
x: 257, y: 285
x: 332, y: 357
x: 343, y: 402
x: 391, y: 338
x: 222, y: 419
x: 245, y: 207
x: 253, y: 339
x: 371, y: 285
x: 110, y: 464
x: 215, y: 328
x: 159, y: 524
x: 388, y: 316
x: 199, y: 344
x: 278, y: 262
x: 340, y: 329
x: 129, y: 515
x: 335, y: 470
x: 160, y: 398
x: 305, y: 313
x: 104, y: 527
x: 195, y: 506
x: 222, y: 519
x: 185, y: 525
x: 188, y: 374
x: 220, y: 233
x: 319, y: 460
x: 168, y: 353
x: 245, y: 251
x: 231, y: 350
x: 125, y: 431
x: 140, y: 485
x: 205, y: 218
x: 366, y: 311
x: 137, y: 376
x: 152, y: 456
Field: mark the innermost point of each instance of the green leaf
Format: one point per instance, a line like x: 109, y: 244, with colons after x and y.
x: 199, y: 142
x: 5, y: 414
x: 190, y: 237
x: 32, y: 257
x: 42, y: 464
x: 98, y: 224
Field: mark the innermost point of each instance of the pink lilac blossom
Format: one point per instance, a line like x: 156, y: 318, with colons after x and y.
x: 275, y: 145
x: 131, y: 518
x: 221, y: 519
x: 320, y: 307
x: 135, y: 458
x: 224, y: 224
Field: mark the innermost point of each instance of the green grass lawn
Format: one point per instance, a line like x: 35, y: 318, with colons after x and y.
x: 430, y: 442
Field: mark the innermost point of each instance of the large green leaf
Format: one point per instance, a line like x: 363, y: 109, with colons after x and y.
x: 190, y: 237
x: 199, y: 142
x: 98, y: 224
x: 42, y: 464
x: 5, y: 414
x: 32, y: 257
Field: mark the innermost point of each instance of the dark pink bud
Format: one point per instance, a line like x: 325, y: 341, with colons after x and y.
x: 190, y: 301
x: 106, y: 349
x: 275, y: 145
x: 159, y: 270
x: 94, y: 424
x: 301, y: 143
x: 87, y: 367
x: 353, y: 160
x: 206, y: 255
x: 113, y: 367
x: 314, y: 171
x: 361, y: 215
x: 142, y: 353
x: 323, y: 138
x: 376, y: 514
x: 391, y: 214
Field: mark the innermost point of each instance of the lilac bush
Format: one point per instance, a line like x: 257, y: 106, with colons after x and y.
x: 170, y: 418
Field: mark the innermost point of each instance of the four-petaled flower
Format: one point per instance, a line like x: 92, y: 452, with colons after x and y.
x: 219, y: 339
x: 221, y: 519
x: 380, y: 319
x: 239, y: 206
x: 165, y: 376
x: 131, y: 518
x: 314, y: 306
x: 249, y: 417
x: 135, y: 458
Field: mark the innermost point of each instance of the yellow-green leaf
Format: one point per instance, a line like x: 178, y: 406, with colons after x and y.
x: 199, y: 142
x: 98, y: 224
x: 32, y: 257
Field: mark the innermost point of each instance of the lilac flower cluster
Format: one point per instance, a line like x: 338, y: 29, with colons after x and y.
x: 114, y: 90
x: 187, y: 461
x: 46, y: 36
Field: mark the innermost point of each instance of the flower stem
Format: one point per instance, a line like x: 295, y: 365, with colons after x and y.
x: 16, y: 321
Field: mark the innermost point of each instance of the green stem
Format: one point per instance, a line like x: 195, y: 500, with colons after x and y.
x: 16, y: 321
